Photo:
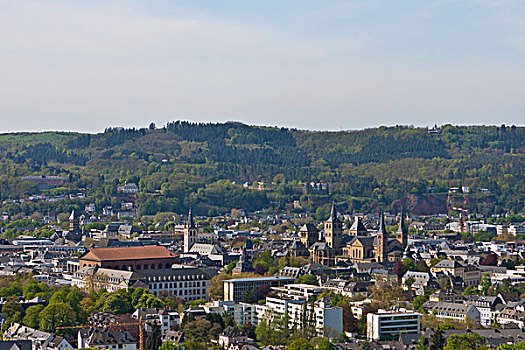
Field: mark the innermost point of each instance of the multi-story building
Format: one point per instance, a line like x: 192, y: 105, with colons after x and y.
x: 386, y: 324
x: 471, y: 275
x: 236, y: 289
x: 292, y: 300
x: 186, y: 282
x: 325, y: 318
x: 297, y: 291
x: 241, y: 313
x: 486, y: 306
x: 454, y: 311
x: 166, y: 318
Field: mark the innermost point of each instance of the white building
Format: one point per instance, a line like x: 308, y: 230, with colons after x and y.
x: 129, y: 188
x: 293, y: 301
x: 164, y: 317
x: 386, y: 324
x: 516, y: 230
x: 235, y: 289
x: 454, y: 311
x: 241, y: 313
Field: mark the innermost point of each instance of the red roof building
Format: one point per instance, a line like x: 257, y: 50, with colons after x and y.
x: 130, y: 258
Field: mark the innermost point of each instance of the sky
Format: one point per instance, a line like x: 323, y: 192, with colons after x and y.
x: 320, y: 65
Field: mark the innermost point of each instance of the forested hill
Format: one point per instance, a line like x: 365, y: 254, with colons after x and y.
x: 206, y: 165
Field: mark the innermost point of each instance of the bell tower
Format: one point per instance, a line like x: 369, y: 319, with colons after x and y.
x: 190, y: 233
x: 402, y: 232
x: 382, y: 240
x: 333, y: 230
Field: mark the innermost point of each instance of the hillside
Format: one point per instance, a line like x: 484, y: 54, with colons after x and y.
x: 205, y: 165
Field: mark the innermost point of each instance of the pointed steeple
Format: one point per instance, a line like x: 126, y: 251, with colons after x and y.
x: 191, y: 223
x: 73, y: 215
x: 382, y: 226
x: 333, y: 214
x: 402, y: 226
x: 402, y: 232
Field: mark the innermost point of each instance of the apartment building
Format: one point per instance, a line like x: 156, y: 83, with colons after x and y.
x: 236, y: 289
x: 292, y: 300
x: 389, y: 324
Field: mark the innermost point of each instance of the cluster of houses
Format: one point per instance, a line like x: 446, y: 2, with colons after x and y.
x: 344, y: 258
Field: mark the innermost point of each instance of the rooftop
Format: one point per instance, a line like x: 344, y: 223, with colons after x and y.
x: 128, y: 253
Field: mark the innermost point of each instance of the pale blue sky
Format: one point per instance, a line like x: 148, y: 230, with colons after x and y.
x: 86, y: 65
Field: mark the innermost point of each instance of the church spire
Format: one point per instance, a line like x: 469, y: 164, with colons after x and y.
x: 382, y: 226
x: 402, y: 226
x: 402, y: 232
x: 333, y: 214
x: 191, y: 223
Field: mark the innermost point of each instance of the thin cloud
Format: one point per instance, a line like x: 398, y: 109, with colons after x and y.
x: 84, y: 66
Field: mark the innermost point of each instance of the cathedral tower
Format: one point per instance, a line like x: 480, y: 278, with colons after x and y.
x: 382, y: 240
x: 333, y: 230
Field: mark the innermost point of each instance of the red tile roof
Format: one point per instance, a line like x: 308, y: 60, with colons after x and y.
x: 128, y: 253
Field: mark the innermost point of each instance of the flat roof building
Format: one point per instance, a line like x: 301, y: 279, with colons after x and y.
x: 389, y: 324
x: 235, y: 289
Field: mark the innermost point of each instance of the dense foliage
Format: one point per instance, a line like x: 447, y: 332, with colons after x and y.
x: 204, y: 165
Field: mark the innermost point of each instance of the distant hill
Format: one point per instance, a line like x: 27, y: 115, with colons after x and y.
x: 206, y: 165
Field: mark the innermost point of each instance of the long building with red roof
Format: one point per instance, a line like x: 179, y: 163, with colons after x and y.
x: 141, y: 258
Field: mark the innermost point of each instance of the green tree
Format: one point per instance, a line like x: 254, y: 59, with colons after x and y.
x: 438, y: 340
x: 273, y: 329
x: 116, y: 305
x: 12, y: 310
x: 198, y: 329
x: 56, y: 315
x: 216, y: 289
x: 485, y: 284
x: 31, y: 289
x: 308, y: 279
x: 148, y: 300
x: 32, y: 317
x: 470, y: 341
x: 193, y: 344
x: 154, y: 339
x: 300, y: 344
x: 170, y: 346
x: 519, y: 346
x: 419, y: 301
x: 422, y: 344
x: 322, y: 343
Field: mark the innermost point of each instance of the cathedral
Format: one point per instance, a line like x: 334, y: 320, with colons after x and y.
x: 329, y: 246
x: 363, y: 247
